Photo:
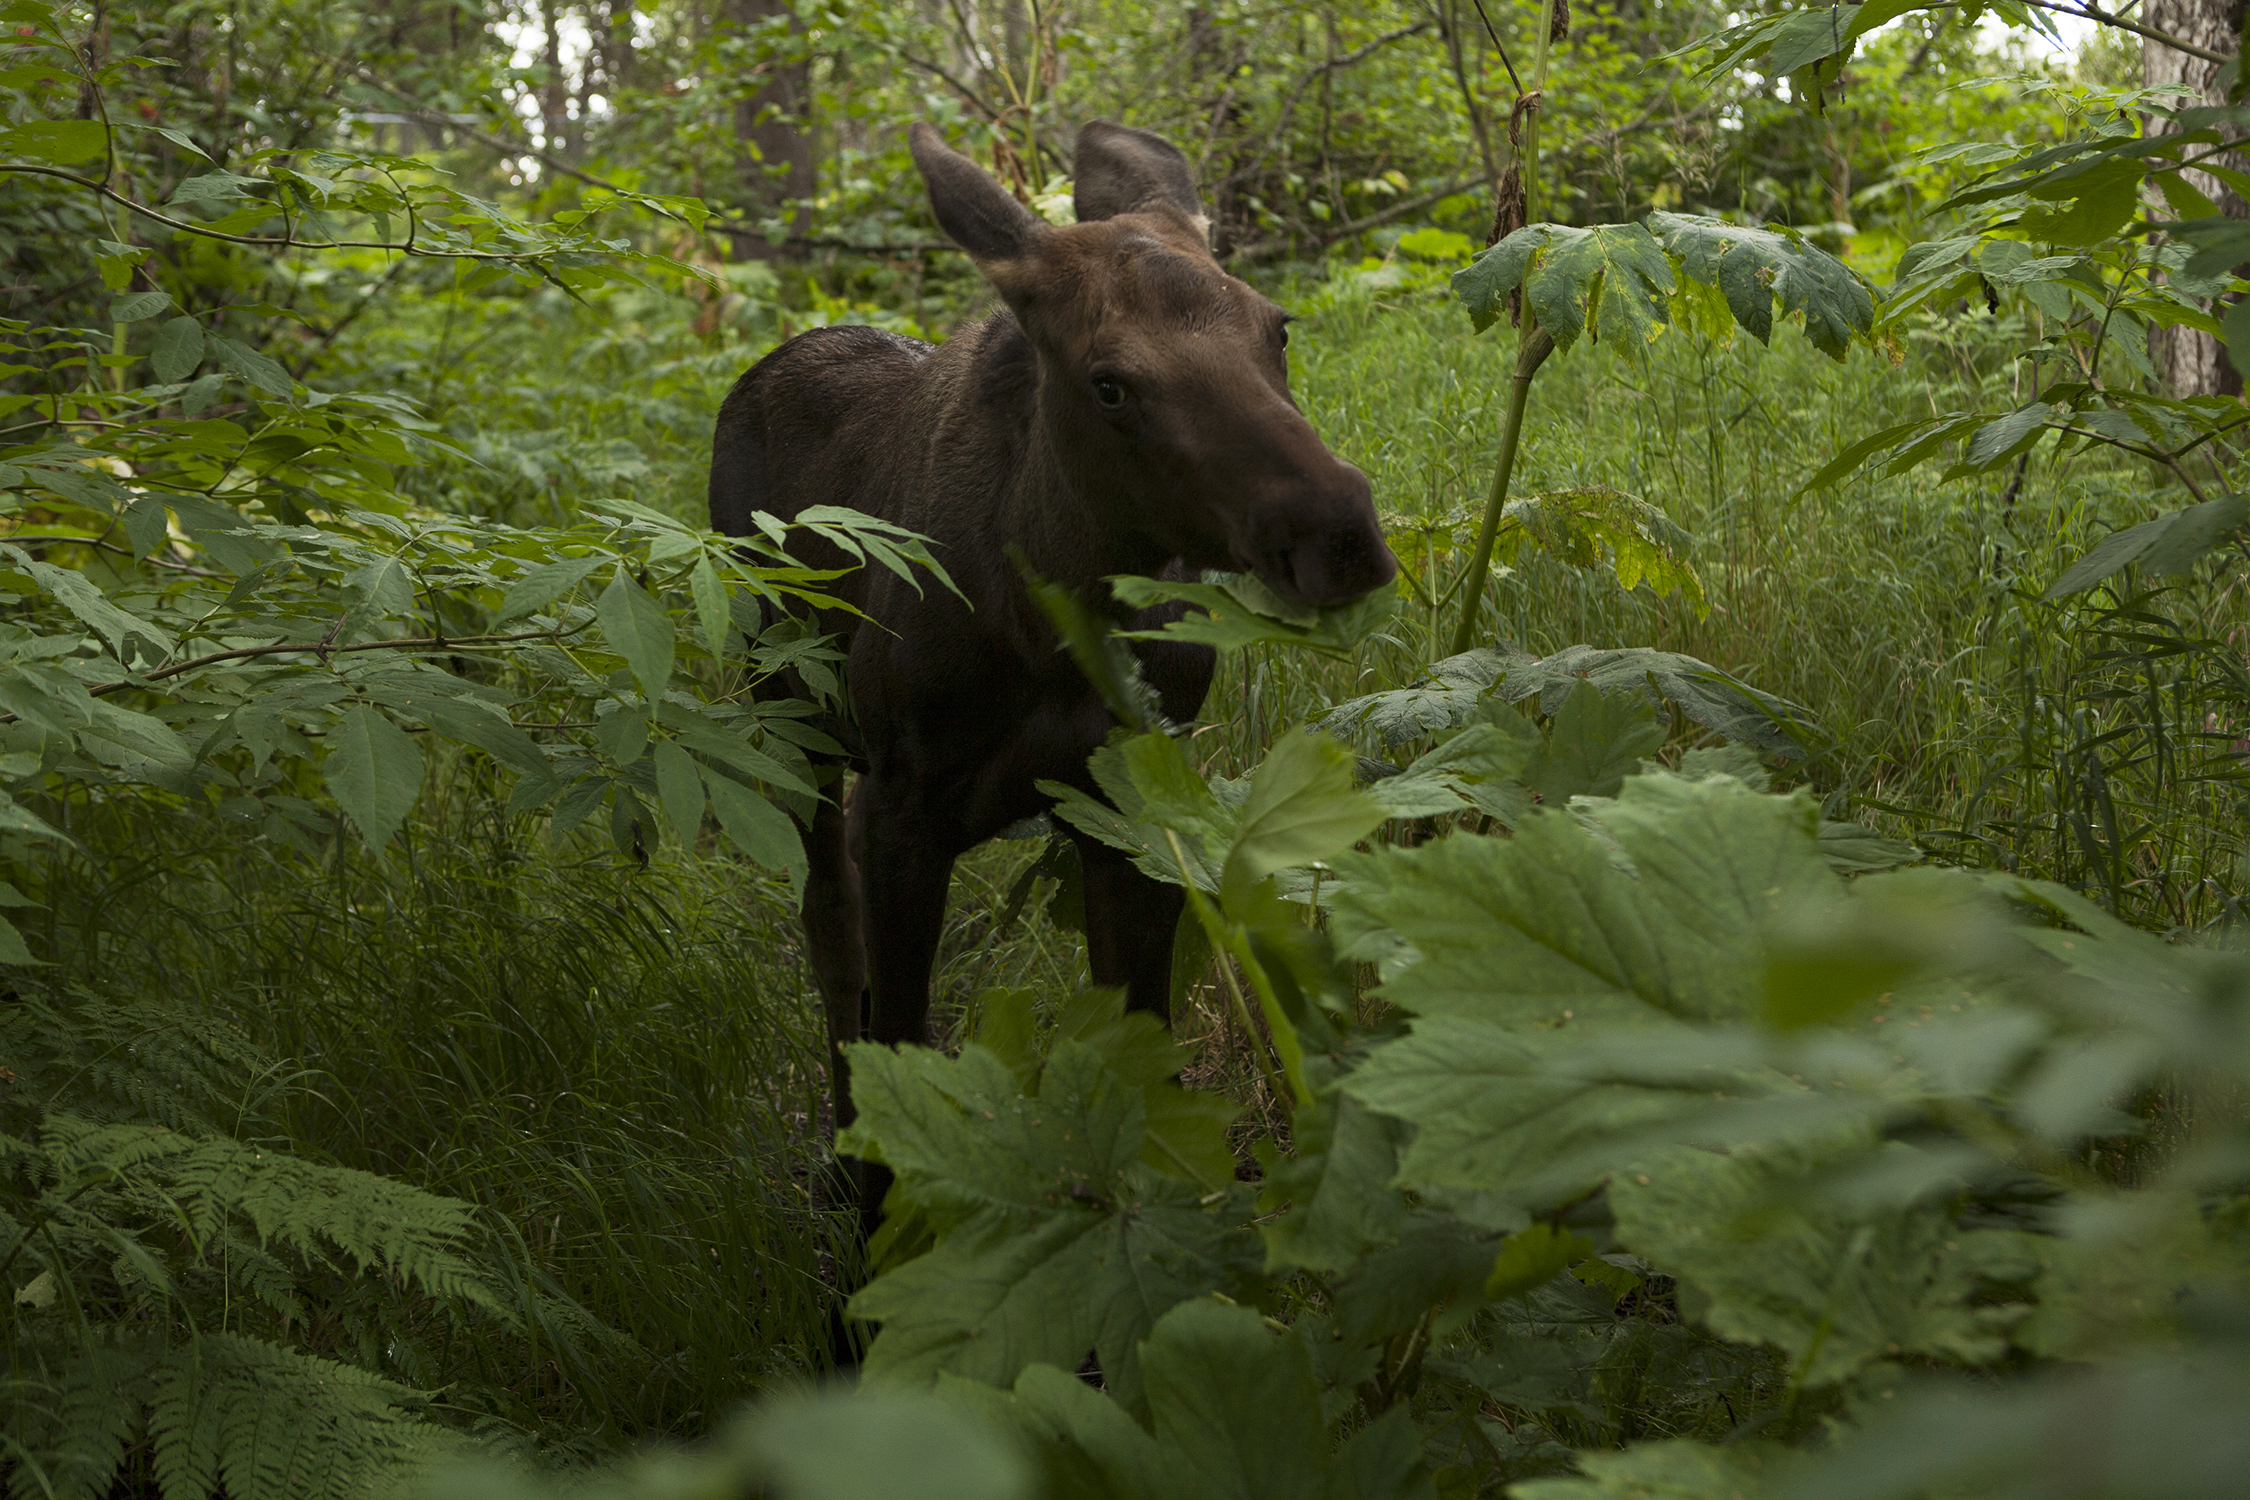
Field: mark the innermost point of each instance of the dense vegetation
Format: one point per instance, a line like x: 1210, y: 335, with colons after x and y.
x: 1727, y: 982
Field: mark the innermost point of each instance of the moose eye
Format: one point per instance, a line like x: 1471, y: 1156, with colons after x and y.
x: 1108, y: 393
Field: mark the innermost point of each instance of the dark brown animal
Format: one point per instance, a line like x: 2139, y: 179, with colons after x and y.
x: 1128, y: 411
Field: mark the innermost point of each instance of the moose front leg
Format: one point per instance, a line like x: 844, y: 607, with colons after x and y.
x: 1130, y: 923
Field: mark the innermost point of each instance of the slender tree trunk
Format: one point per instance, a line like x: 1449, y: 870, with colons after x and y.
x: 2193, y: 363
x: 773, y: 133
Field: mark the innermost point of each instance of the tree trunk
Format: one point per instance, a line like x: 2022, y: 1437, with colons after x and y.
x: 2191, y: 362
x: 773, y: 131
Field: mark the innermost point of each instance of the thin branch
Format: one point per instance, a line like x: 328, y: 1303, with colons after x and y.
x: 317, y: 648
x: 1312, y: 75
x: 287, y: 242
x: 1267, y: 249
x: 503, y: 145
x: 953, y: 83
x: 2088, y: 11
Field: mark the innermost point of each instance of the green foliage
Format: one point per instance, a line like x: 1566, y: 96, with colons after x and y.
x: 1593, y: 1036
x: 1618, y: 279
x: 165, y: 1271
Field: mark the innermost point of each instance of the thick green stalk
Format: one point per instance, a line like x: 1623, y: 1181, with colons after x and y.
x: 1531, y: 352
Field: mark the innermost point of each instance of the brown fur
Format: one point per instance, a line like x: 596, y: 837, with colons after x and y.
x: 1002, y: 439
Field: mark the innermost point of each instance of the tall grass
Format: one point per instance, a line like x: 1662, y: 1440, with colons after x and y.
x: 2090, y: 740
x: 619, y: 1066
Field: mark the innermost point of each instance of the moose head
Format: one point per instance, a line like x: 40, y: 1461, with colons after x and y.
x: 1163, y: 389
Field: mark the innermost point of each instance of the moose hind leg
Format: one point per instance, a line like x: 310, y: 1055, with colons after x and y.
x: 1130, y: 923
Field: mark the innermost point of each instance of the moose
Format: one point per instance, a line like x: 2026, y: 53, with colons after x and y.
x: 1127, y: 410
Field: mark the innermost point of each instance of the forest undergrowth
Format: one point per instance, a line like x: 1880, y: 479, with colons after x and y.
x: 621, y: 1063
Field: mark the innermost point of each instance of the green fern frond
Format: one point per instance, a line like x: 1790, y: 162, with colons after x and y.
x: 79, y: 1436
x: 270, y: 1423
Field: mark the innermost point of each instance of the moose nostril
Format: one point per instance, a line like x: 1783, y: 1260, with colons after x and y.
x: 1339, y: 566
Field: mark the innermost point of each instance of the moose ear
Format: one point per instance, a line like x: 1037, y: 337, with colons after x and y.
x: 971, y: 207
x: 1122, y: 170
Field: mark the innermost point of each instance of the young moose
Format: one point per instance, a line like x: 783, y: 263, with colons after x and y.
x: 1128, y: 411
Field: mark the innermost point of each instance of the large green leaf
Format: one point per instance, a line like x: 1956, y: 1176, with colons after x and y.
x: 755, y: 826
x: 1451, y: 691
x: 1594, y: 524
x: 1837, y: 1291
x: 1614, y: 276
x: 877, y: 1445
x: 1053, y: 1240
x: 1593, y: 745
x: 1546, y: 928
x: 1235, y: 1414
x: 374, y: 771
x: 1335, y: 1185
x: 638, y: 629
x: 1753, y: 267
x: 1302, y: 808
x: 1231, y: 611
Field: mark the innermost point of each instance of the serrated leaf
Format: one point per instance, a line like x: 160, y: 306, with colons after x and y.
x: 1595, y: 742
x: 711, y: 608
x: 680, y: 788
x: 762, y: 831
x: 637, y: 628
x: 147, y: 524
x: 1053, y: 1241
x: 374, y: 771
x: 1836, y: 1293
x: 1593, y: 525
x: 1232, y: 612
x: 1516, y: 932
x: 1615, y: 277
x: 1753, y: 267
x: 1237, y: 1403
x: 77, y: 593
x: 178, y: 349
x: 135, y: 306
x: 1302, y: 808
x: 543, y: 585
x: 1335, y: 1185
x: 261, y: 370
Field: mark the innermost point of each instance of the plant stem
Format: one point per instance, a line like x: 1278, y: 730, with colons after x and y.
x: 1531, y: 351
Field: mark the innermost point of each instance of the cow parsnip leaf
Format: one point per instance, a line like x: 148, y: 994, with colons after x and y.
x: 1451, y: 691
x: 1836, y: 1290
x: 1612, y: 277
x: 1518, y: 932
x: 1335, y: 1186
x: 1302, y: 808
x: 1053, y: 1240
x: 1596, y: 525
x: 1672, y: 1470
x: 1753, y: 268
x: 1232, y: 611
x: 1594, y: 743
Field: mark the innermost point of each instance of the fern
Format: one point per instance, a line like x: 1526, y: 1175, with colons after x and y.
x: 159, y: 1267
